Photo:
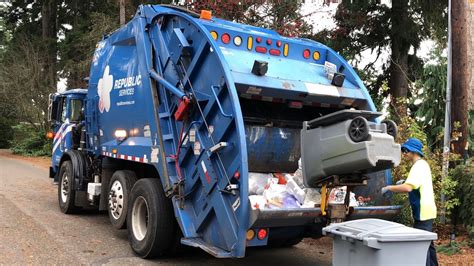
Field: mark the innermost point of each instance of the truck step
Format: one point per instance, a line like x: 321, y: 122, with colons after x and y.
x: 164, y: 114
x: 199, y: 243
x: 168, y: 137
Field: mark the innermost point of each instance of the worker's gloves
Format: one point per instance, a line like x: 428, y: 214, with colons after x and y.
x: 384, y: 190
x: 400, y: 182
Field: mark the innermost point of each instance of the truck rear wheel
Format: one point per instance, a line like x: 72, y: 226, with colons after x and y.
x: 150, y: 219
x: 120, y: 186
x: 66, y: 193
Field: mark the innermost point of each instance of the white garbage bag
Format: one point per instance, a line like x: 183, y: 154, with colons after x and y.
x: 313, y: 198
x: 294, y: 189
x: 274, y: 194
x: 257, y: 202
x: 257, y: 182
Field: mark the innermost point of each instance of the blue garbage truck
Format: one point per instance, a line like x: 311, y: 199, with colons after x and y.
x: 180, y: 108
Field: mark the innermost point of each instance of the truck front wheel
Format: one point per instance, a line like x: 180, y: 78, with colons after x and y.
x: 120, y: 186
x: 150, y: 219
x: 66, y: 193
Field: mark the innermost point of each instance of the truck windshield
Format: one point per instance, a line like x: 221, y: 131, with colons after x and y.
x: 76, y: 110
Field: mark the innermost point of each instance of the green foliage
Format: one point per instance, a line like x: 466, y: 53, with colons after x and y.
x: 6, y: 132
x: 464, y: 193
x: 430, y: 89
x: 30, y: 141
x: 83, y: 24
x: 453, y: 247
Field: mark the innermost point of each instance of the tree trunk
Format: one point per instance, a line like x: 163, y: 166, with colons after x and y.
x: 461, y: 74
x: 48, y: 25
x: 122, y: 11
x: 398, y: 81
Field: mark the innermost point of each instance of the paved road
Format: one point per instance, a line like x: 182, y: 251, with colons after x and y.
x: 34, y: 231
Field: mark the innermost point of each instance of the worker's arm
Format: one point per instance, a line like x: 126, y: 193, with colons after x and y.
x: 400, y: 188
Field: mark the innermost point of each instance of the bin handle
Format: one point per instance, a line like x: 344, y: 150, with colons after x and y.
x: 340, y: 233
x: 364, y: 234
x: 219, y: 103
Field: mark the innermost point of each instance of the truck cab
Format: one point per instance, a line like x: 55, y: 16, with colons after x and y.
x: 65, y: 115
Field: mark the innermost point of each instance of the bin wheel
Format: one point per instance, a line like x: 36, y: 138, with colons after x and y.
x: 150, y: 220
x: 66, y: 192
x: 359, y: 129
x: 391, y: 128
x: 120, y: 186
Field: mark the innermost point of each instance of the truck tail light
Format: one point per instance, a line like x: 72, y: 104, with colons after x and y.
x: 237, y: 175
x: 275, y: 52
x: 250, y: 234
x: 262, y: 233
x: 214, y: 35
x: 237, y: 40
x: 295, y: 104
x: 261, y: 49
x: 225, y: 38
x: 306, y: 53
x: 50, y: 135
x: 316, y: 56
x: 249, y: 43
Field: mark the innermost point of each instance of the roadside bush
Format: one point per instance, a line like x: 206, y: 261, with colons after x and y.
x: 464, y: 175
x: 28, y: 140
x: 6, y: 132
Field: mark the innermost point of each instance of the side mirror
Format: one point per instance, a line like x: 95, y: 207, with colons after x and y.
x: 53, y: 108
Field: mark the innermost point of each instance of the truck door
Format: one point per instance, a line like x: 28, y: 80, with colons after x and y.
x: 69, y: 113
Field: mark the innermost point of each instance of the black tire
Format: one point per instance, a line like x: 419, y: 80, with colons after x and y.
x: 391, y: 128
x: 279, y: 237
x: 358, y: 129
x: 284, y: 243
x: 292, y: 242
x: 66, y: 193
x: 120, y: 186
x: 150, y: 219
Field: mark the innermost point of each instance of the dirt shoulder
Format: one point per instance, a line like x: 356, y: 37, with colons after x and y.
x: 42, y: 161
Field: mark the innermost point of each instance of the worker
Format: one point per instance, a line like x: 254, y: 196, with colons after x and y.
x: 419, y: 186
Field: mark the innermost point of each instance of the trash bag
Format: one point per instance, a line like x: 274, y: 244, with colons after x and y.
x: 294, y: 189
x: 257, y: 202
x: 257, y: 182
x: 274, y: 194
x: 313, y: 198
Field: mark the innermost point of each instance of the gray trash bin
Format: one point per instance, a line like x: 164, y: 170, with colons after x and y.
x: 378, y: 242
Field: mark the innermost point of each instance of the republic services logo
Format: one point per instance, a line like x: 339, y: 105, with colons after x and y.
x: 104, y: 87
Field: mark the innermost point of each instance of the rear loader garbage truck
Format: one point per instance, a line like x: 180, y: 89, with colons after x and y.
x: 208, y: 133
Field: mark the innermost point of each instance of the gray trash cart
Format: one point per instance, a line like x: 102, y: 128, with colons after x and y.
x: 378, y: 242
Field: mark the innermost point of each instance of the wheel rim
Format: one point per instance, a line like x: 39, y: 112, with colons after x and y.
x: 64, y: 187
x: 358, y: 129
x: 140, y: 218
x: 116, y: 199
